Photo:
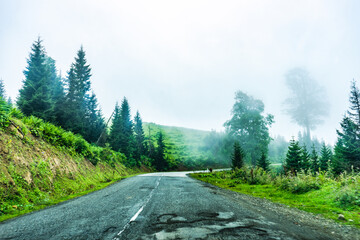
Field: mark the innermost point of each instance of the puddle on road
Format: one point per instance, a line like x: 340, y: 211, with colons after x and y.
x: 212, y: 225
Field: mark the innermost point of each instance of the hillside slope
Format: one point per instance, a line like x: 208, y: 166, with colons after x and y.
x: 185, y: 147
x: 35, y: 173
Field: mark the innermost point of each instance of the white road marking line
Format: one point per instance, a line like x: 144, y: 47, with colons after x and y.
x: 137, y: 214
x: 117, y: 237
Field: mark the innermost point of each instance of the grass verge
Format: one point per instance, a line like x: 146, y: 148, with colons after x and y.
x: 328, y: 200
x: 50, y: 200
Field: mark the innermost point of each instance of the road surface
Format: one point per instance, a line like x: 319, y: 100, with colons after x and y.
x: 161, y: 206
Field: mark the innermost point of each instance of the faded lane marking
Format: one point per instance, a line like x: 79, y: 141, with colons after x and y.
x: 117, y: 237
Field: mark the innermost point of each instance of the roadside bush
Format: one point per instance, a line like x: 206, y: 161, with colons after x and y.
x: 301, y: 183
x: 252, y: 175
x: 348, y: 197
x: 58, y: 137
x: 16, y: 113
x: 4, y: 114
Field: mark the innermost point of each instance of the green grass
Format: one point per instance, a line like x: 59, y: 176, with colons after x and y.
x: 55, y: 199
x: 325, y: 201
x: 184, y: 147
x: 182, y: 141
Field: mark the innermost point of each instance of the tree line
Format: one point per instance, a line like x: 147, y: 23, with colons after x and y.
x: 71, y: 103
x: 249, y: 129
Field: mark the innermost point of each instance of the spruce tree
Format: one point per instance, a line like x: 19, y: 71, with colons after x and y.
x: 160, y: 161
x: 72, y: 119
x: 2, y: 90
x: 81, y: 112
x: 115, y: 130
x: 338, y: 164
x: 305, y: 159
x: 140, y: 149
x: 293, y: 157
x: 325, y: 157
x: 126, y: 136
x: 347, y: 151
x: 35, y: 94
x: 263, y: 162
x: 78, y: 94
x: 238, y: 156
x: 57, y: 92
x: 95, y: 122
x: 354, y: 99
x: 121, y: 133
x: 314, y: 160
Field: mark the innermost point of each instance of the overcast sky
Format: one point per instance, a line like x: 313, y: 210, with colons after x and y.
x: 180, y: 62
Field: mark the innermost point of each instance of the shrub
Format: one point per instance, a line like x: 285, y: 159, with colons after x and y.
x: 4, y: 114
x: 301, y: 183
x: 16, y: 113
x: 347, y: 197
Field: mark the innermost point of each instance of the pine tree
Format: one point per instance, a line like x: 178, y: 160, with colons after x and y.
x: 81, y: 112
x: 160, y: 161
x: 72, y: 119
x: 57, y: 92
x: 121, y: 132
x: 293, y: 157
x: 2, y: 90
x: 115, y: 130
x: 354, y: 99
x: 238, y: 156
x: 35, y: 95
x: 95, y: 122
x: 263, y: 162
x: 338, y: 164
x: 314, y: 160
x: 126, y: 128
x: 347, y: 151
x: 305, y: 159
x: 140, y: 149
x: 325, y: 157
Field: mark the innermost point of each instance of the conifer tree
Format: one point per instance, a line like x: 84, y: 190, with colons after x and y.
x: 338, y: 164
x: 140, y: 149
x: 95, y: 121
x: 78, y: 94
x: 293, y: 157
x: 354, y: 99
x: 160, y: 161
x: 121, y: 132
x: 35, y: 94
x: 238, y: 156
x: 126, y: 137
x: 57, y: 92
x: 115, y: 130
x: 81, y: 112
x: 305, y: 159
x: 325, y: 157
x: 347, y: 149
x: 263, y: 162
x: 314, y: 160
x: 2, y: 89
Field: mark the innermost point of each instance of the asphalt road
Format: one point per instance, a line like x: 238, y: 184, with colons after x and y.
x: 158, y: 206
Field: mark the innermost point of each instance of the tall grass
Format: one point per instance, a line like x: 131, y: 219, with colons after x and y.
x: 343, y: 190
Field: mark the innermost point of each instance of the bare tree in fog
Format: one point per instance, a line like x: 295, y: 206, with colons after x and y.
x: 307, y: 104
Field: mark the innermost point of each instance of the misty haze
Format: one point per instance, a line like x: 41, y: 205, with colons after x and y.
x: 158, y: 108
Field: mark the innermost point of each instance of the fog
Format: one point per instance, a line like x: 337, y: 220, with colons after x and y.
x: 180, y: 62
